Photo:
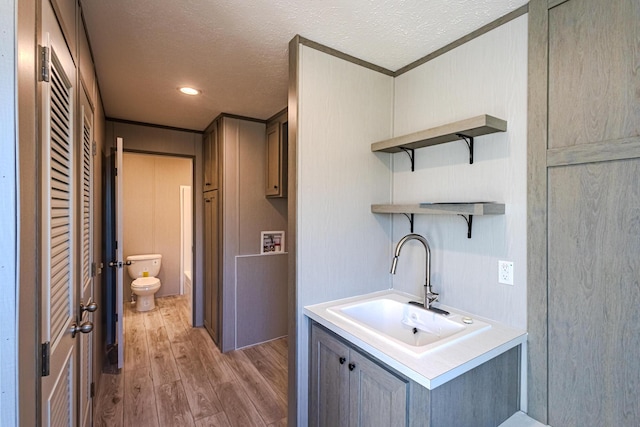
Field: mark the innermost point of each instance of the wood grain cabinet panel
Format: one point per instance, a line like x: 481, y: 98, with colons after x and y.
x: 211, y: 264
x: 276, y: 160
x: 210, y: 147
x: 351, y: 388
x: 378, y: 397
x: 329, y: 380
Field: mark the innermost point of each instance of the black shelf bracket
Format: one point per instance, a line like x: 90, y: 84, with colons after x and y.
x: 469, y: 141
x: 469, y: 221
x: 410, y: 153
x: 410, y: 218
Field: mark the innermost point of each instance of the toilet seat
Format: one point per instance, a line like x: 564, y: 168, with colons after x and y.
x: 145, y: 283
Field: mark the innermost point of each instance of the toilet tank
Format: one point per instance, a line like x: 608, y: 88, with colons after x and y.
x: 141, y: 264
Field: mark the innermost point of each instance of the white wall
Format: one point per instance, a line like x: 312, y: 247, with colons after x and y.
x: 8, y: 218
x: 342, y: 249
x: 487, y: 75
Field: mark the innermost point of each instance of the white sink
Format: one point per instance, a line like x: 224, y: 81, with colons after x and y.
x: 408, y: 327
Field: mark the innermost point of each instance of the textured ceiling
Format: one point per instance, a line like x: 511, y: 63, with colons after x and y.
x: 235, y: 51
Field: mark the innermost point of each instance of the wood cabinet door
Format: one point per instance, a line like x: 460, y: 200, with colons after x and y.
x: 329, y: 400
x: 210, y: 153
x: 586, y: 154
x: 211, y: 277
x: 273, y: 185
x: 378, y: 397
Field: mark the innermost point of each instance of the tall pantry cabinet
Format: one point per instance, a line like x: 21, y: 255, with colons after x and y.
x: 211, y: 147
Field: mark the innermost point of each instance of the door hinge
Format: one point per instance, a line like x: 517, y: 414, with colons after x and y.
x: 94, y: 148
x: 44, y: 63
x: 45, y: 353
x: 92, y: 390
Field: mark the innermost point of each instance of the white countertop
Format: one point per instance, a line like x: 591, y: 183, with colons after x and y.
x: 434, y: 368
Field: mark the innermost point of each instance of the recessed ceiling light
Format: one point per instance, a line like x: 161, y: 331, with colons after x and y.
x: 189, y: 90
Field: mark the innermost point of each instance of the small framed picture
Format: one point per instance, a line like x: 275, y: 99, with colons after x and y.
x: 271, y: 242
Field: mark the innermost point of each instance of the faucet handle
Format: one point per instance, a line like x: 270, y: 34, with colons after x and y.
x: 432, y: 296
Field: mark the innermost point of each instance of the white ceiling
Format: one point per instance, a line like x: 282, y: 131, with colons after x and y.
x: 236, y: 51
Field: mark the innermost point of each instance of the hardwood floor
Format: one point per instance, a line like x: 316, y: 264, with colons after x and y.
x: 174, y: 375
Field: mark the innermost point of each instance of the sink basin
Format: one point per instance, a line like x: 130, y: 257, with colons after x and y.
x: 408, y: 327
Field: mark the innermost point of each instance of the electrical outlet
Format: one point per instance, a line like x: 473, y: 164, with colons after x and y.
x: 505, y: 272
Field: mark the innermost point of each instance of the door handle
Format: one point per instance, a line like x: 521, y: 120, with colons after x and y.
x: 90, y: 307
x: 84, y: 328
x: 118, y: 264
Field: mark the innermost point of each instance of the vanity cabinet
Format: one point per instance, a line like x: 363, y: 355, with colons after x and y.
x: 276, y: 157
x: 349, y: 387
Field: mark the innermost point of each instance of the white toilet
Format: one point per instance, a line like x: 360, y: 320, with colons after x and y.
x: 144, y: 269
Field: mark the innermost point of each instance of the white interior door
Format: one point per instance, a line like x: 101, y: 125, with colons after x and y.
x: 59, y: 392
x: 119, y: 254
x: 87, y: 306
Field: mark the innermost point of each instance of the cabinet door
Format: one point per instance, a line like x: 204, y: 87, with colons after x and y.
x: 378, y: 397
x: 210, y: 154
x: 329, y: 400
x: 211, y: 264
x: 273, y: 184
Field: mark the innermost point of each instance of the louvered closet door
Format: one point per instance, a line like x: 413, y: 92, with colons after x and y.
x: 59, y: 389
x: 86, y: 244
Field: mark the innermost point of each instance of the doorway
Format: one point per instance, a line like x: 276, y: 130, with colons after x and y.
x: 155, y: 218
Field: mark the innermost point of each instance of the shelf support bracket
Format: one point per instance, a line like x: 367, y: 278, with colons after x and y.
x: 469, y: 141
x: 410, y: 218
x: 469, y: 221
x: 410, y: 153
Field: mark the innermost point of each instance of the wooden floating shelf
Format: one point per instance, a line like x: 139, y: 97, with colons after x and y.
x: 479, y: 208
x: 466, y: 210
x: 470, y: 128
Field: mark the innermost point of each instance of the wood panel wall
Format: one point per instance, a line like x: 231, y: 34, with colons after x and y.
x: 584, y: 212
x: 262, y: 298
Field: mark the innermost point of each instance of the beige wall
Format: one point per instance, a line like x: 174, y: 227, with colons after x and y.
x: 152, y: 212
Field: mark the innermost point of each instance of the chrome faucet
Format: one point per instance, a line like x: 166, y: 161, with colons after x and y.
x: 429, y: 296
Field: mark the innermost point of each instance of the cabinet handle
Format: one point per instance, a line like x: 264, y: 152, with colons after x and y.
x: 207, y: 183
x: 352, y: 366
x: 342, y: 360
x: 275, y: 186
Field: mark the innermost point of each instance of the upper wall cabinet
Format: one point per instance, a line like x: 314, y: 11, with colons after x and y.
x: 276, y: 157
x: 210, y: 152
